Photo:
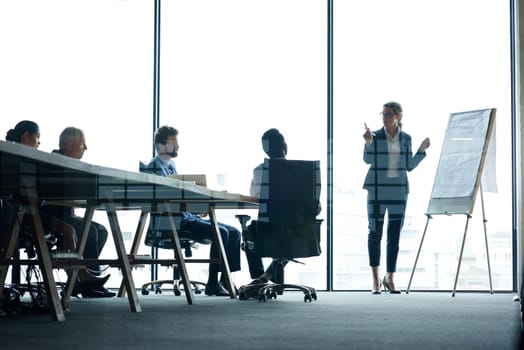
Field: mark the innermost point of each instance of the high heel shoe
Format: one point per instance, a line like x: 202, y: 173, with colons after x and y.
x: 377, y: 291
x: 388, y: 288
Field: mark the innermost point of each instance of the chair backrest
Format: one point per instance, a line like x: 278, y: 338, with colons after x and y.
x: 289, y: 197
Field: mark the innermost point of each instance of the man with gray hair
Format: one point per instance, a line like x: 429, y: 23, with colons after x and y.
x: 72, y: 144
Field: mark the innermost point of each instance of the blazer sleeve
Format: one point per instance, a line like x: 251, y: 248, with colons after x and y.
x: 370, y: 151
x: 412, y: 161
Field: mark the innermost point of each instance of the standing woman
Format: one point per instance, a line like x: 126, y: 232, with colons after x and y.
x: 389, y: 154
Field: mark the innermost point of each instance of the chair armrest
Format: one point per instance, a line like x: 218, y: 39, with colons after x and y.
x: 243, y: 218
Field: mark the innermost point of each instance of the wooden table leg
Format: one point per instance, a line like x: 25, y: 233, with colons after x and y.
x: 8, y: 251
x: 222, y: 252
x: 136, y: 244
x: 190, y: 297
x: 71, y: 281
x: 57, y: 312
x: 123, y: 259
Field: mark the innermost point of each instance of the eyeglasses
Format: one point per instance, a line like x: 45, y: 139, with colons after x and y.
x: 387, y: 115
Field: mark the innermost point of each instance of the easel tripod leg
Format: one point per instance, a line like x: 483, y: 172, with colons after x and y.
x: 460, y: 256
x: 418, y: 254
x: 486, y: 238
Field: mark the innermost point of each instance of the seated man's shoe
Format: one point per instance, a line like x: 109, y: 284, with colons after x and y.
x: 98, y: 292
x: 77, y: 290
x: 223, y: 284
x: 86, y: 276
x: 86, y: 290
x: 92, y: 280
x: 105, y: 293
x: 81, y: 290
x: 216, y: 290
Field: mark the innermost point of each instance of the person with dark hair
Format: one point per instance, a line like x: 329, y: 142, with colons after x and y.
x: 389, y: 154
x: 27, y: 133
x: 166, y: 146
x: 275, y: 146
x: 90, y: 283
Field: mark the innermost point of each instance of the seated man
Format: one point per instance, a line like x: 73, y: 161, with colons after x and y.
x: 166, y: 145
x: 275, y: 146
x: 72, y: 144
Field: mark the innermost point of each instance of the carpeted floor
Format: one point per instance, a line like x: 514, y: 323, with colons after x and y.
x: 339, y: 320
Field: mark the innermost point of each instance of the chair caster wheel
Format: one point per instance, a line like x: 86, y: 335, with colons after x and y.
x: 242, y: 296
x: 307, y: 298
x: 177, y: 292
x: 158, y: 290
x: 145, y: 291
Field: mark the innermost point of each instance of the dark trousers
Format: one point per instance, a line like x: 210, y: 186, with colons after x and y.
x: 256, y: 266
x: 230, y: 237
x: 392, y: 199
x: 254, y: 261
x: 96, y: 239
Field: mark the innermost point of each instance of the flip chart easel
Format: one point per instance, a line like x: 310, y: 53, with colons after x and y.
x: 459, y: 172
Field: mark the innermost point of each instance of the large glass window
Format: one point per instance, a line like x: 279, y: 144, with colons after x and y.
x: 435, y: 58
x: 232, y: 69
x: 87, y: 64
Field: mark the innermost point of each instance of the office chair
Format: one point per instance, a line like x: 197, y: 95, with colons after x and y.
x: 10, y: 301
x: 287, y: 227
x: 158, y: 236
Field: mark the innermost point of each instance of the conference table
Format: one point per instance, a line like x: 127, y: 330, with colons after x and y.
x: 31, y: 178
